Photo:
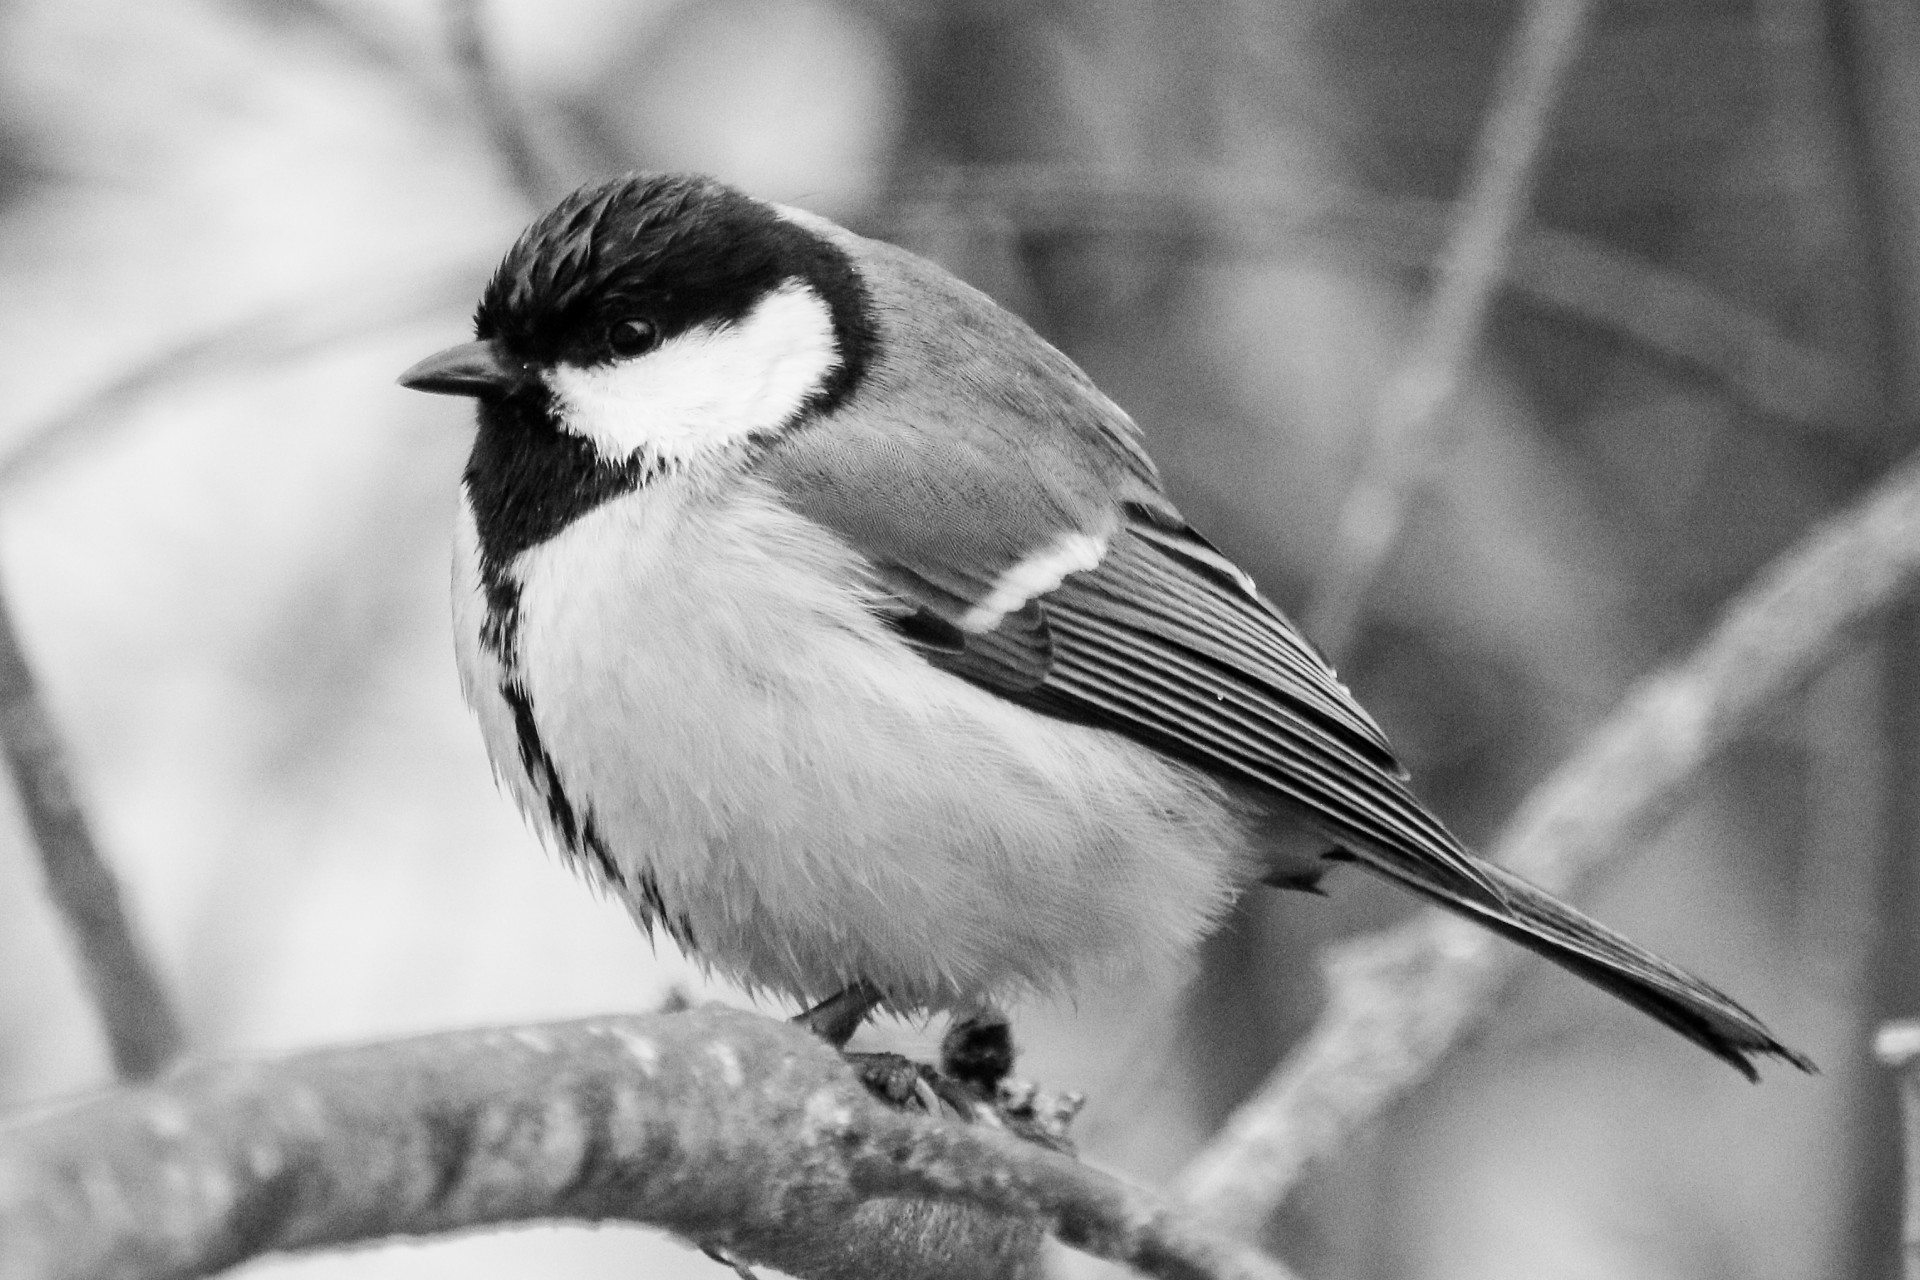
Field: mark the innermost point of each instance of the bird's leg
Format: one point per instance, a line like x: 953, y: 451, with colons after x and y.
x: 836, y: 1018
x: 726, y: 1259
x: 887, y: 1076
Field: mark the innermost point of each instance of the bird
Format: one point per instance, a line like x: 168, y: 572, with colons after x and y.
x: 839, y: 626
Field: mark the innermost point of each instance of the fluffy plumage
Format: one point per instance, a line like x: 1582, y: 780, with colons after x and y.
x: 757, y: 763
x: 849, y: 636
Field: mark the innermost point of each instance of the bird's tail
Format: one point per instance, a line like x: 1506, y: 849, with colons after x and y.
x: 1540, y: 922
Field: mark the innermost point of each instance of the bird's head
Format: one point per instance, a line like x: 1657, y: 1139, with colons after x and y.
x: 641, y: 326
x: 667, y: 316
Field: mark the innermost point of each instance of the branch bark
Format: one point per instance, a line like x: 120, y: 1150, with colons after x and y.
x: 1398, y: 1000
x: 738, y: 1132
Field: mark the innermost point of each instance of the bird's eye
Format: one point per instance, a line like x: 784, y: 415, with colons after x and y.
x: 628, y: 338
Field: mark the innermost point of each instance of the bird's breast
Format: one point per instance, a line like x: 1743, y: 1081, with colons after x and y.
x: 701, y: 704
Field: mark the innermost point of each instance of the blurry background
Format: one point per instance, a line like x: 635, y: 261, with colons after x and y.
x: 225, y: 225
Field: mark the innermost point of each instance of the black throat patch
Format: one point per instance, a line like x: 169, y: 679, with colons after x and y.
x: 678, y: 252
x: 527, y: 480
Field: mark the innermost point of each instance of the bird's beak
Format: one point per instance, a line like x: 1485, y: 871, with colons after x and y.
x: 478, y: 369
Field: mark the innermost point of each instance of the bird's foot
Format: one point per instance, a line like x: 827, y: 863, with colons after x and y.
x: 973, y: 1082
x: 901, y: 1082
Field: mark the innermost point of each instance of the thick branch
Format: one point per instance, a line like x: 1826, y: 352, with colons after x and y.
x: 735, y: 1131
x: 1399, y: 1000
x: 142, y: 1033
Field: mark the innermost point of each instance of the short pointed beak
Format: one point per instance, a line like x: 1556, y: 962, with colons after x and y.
x: 471, y: 369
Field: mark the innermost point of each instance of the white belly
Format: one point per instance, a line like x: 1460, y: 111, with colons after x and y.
x: 814, y: 803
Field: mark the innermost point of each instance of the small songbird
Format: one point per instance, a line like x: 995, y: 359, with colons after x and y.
x: 841, y: 627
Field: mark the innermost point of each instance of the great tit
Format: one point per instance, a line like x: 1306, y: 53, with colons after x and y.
x: 841, y: 627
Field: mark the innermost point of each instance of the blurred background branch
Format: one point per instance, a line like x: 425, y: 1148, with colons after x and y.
x: 1398, y: 1001
x: 143, y: 1033
x: 1410, y: 433
x: 1669, y: 314
x: 1863, y: 723
x: 507, y: 127
x: 277, y: 334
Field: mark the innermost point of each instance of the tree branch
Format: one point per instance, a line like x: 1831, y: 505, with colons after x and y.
x: 1398, y: 1000
x: 735, y: 1131
x: 142, y: 1033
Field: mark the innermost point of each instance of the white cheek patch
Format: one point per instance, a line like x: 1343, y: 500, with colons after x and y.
x: 1038, y: 574
x: 706, y: 389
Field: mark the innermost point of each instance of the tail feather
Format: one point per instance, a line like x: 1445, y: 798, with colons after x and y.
x: 1540, y: 922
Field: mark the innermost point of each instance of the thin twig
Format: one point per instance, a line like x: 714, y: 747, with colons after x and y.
x: 143, y: 1035
x: 1398, y: 1000
x: 733, y: 1130
x: 275, y: 334
x: 506, y: 124
x: 1409, y: 436
x: 1667, y: 313
x: 1897, y: 1045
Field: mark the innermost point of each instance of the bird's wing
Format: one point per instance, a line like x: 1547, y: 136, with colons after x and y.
x: 1022, y: 542
x: 1059, y: 576
x: 1168, y: 642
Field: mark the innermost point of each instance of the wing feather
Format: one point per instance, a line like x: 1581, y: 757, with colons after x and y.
x: 1131, y: 663
x: 1158, y: 577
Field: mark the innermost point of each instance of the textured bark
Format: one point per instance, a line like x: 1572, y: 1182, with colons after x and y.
x: 737, y: 1132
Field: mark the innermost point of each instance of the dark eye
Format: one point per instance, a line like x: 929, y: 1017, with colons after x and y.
x: 629, y: 338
